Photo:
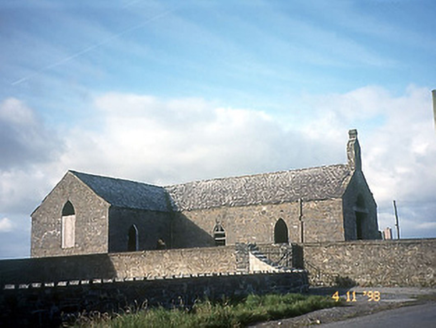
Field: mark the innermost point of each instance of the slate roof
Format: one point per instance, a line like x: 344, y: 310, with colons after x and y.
x: 317, y: 183
x: 326, y: 182
x: 125, y: 193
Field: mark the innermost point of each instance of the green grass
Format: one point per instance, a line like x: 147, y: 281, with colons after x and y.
x: 226, y: 313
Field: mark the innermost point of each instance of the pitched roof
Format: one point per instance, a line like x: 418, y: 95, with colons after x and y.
x: 125, y: 193
x: 317, y: 183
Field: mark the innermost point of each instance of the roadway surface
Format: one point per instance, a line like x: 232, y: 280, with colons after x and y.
x: 423, y: 316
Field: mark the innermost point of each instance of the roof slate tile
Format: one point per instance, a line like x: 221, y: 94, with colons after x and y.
x: 317, y: 183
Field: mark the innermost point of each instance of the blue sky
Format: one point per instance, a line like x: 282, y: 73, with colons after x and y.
x: 167, y: 91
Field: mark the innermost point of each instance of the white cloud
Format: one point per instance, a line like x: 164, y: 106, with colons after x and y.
x: 24, y: 139
x: 171, y: 141
x: 5, y: 225
x: 14, y: 111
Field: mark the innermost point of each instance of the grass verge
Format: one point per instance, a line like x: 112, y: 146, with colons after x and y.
x: 225, y: 313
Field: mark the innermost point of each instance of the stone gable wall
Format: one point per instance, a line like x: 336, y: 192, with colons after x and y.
x: 358, y: 188
x: 372, y: 262
x: 91, y: 228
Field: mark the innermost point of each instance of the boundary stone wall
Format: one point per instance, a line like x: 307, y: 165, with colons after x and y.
x: 121, y: 265
x: 405, y: 263
x: 47, y: 305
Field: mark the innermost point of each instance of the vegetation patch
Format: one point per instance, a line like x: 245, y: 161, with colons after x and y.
x: 214, y: 314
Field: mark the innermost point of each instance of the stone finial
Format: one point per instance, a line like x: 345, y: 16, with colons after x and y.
x: 353, y: 151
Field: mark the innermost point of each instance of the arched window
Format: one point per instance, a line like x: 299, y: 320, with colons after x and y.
x: 281, y: 232
x: 68, y: 225
x: 132, y: 243
x: 219, y: 235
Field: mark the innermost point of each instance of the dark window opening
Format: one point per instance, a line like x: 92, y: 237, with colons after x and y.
x: 219, y: 235
x: 68, y: 209
x: 132, y: 244
x: 281, y: 232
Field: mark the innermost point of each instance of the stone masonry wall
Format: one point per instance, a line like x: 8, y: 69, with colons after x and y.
x: 91, y: 228
x: 372, y: 263
x: 151, y: 226
x: 367, y: 263
x: 174, y: 262
x: 119, y: 265
x: 322, y: 220
x: 358, y: 189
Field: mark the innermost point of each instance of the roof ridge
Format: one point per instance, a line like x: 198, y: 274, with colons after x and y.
x: 112, y: 178
x: 126, y: 193
x: 257, y: 174
x: 212, y: 179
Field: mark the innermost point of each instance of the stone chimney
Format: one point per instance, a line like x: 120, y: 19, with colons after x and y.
x: 353, y: 151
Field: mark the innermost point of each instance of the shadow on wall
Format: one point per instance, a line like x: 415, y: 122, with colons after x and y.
x: 186, y: 234
x: 297, y: 256
x: 48, y: 269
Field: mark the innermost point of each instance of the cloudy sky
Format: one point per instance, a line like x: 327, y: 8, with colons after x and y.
x: 172, y: 91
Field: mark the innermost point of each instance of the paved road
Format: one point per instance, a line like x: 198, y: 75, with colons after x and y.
x: 422, y: 316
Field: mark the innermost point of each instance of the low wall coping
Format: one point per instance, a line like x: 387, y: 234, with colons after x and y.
x: 68, y: 283
x: 368, y: 242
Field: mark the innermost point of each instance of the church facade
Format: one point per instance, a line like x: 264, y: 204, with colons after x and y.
x: 88, y: 214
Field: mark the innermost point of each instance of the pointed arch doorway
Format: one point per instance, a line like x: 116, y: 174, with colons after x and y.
x: 281, y: 232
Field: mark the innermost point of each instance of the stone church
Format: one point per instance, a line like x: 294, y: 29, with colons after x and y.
x: 88, y: 214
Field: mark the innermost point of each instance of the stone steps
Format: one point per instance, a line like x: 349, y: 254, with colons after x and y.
x: 254, y: 250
